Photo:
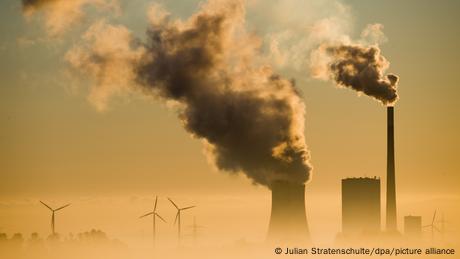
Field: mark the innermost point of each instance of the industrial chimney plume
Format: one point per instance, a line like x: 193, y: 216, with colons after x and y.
x: 250, y: 119
x: 362, y: 68
x: 358, y: 67
x: 391, y: 224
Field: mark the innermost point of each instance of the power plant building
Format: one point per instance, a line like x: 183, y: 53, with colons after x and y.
x: 360, y: 206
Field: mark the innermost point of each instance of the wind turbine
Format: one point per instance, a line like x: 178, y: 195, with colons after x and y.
x: 432, y: 226
x: 177, y: 219
x: 195, y: 228
x: 154, y: 216
x: 52, y: 215
x: 443, y: 225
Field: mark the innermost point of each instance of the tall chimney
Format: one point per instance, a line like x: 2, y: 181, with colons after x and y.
x: 391, y: 225
x: 288, y: 221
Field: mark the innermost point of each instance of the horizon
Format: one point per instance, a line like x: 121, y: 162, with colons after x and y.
x: 108, y: 146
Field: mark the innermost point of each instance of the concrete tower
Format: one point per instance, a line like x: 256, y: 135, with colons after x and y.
x: 288, y: 221
x: 391, y: 225
x: 360, y: 207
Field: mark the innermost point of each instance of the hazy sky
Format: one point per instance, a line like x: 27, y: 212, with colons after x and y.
x: 55, y: 144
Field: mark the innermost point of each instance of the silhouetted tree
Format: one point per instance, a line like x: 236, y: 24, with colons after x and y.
x: 53, y: 237
x: 17, y: 238
x: 3, y: 237
x: 35, y: 239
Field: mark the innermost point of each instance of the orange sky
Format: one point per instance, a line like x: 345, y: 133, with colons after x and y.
x: 56, y: 146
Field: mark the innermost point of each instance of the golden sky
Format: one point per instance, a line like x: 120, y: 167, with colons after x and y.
x: 55, y: 145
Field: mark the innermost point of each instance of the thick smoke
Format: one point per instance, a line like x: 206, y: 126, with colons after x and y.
x: 357, y: 66
x: 106, y: 56
x: 60, y: 15
x: 251, y: 119
x: 29, y: 4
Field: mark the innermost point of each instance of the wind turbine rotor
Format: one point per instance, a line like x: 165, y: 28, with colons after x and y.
x: 60, y: 208
x: 177, y: 207
x: 145, y: 215
x: 160, y: 217
x: 177, y: 216
x: 155, y: 206
x: 434, y: 216
x: 46, y: 205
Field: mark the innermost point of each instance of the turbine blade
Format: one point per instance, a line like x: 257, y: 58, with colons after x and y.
x: 434, y: 216
x: 46, y: 205
x: 186, y: 208
x: 155, y: 206
x: 173, y: 203
x: 177, y: 215
x: 145, y: 215
x: 156, y: 214
x: 60, y: 208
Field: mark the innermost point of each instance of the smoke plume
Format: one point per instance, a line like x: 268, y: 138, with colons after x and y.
x: 59, y: 15
x: 107, y: 56
x: 250, y: 118
x: 357, y: 66
x: 31, y: 4
x: 297, y: 27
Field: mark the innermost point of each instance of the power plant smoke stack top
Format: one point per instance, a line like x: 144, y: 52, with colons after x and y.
x: 391, y: 225
x: 288, y: 221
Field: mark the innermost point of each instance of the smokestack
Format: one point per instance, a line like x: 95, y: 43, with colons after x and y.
x: 288, y: 221
x: 391, y: 224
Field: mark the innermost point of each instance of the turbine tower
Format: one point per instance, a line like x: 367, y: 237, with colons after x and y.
x: 52, y: 215
x: 195, y: 228
x: 177, y: 219
x: 154, y: 216
x: 443, y: 225
x: 432, y: 226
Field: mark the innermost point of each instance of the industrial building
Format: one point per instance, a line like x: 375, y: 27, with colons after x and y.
x: 360, y: 206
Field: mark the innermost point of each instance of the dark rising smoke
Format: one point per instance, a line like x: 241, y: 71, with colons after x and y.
x: 30, y: 6
x: 251, y: 119
x: 35, y: 3
x: 359, y: 68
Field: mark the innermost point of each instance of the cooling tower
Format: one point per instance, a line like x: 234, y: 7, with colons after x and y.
x: 288, y: 221
x: 391, y: 225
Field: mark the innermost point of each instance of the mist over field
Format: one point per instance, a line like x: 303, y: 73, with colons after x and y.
x: 223, y: 232
x: 112, y: 111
